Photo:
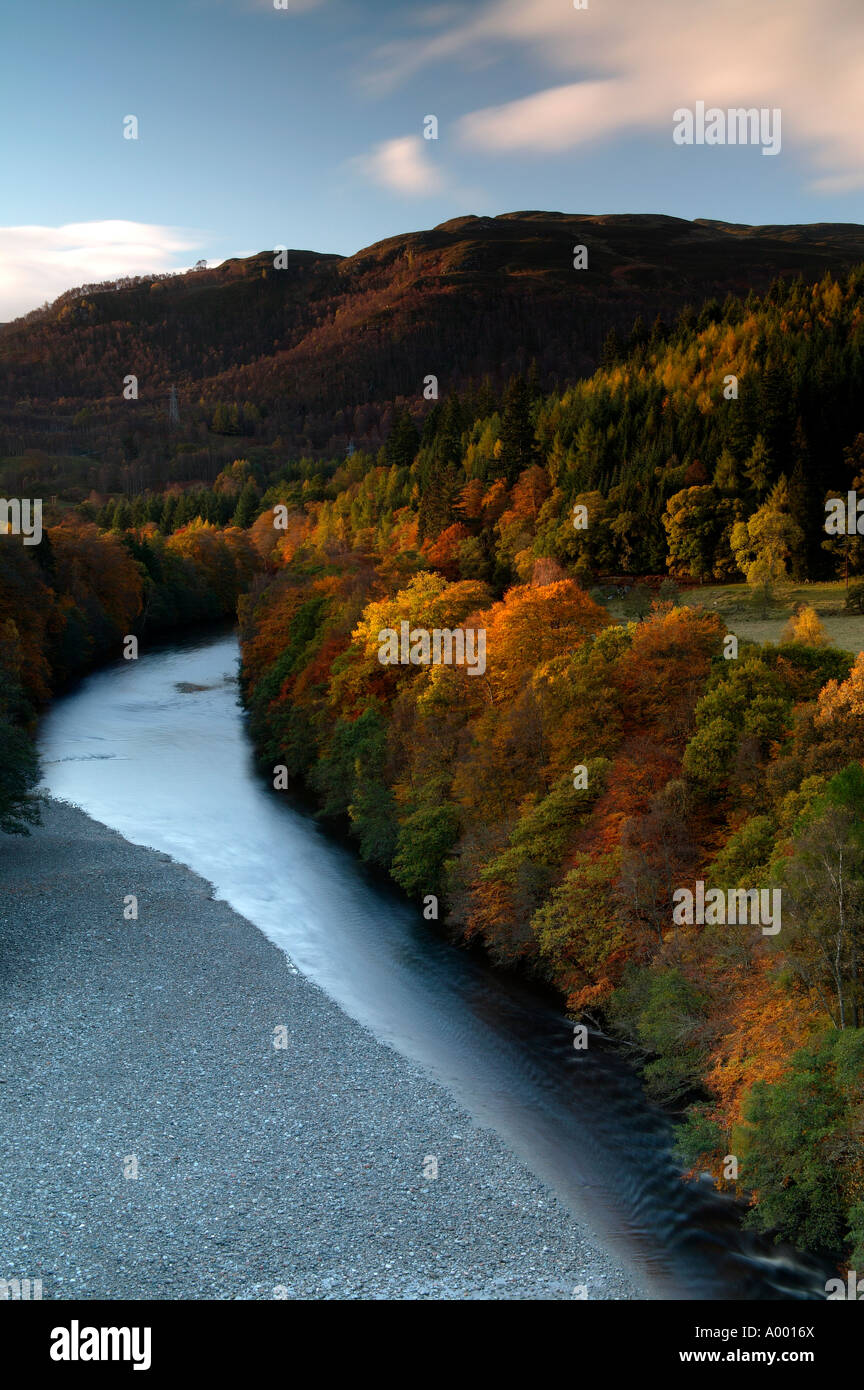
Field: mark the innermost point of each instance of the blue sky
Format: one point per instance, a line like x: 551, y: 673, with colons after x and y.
x: 303, y: 126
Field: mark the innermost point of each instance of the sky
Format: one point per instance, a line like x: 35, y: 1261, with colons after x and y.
x: 303, y: 126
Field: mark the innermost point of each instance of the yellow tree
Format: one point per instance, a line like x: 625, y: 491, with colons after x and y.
x: 532, y: 624
x: 762, y: 544
x: 806, y: 628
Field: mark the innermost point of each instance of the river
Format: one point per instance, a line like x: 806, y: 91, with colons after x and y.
x: 157, y: 749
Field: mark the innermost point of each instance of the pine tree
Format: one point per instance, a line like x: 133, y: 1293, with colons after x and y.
x: 638, y: 335
x: 403, y: 440
x: 611, y: 353
x: 122, y: 518
x: 804, y: 558
x: 726, y: 475
x: 659, y: 333
x: 166, y: 525
x: 758, y: 468
x: 518, y: 444
x: 247, y: 506
x: 184, y: 512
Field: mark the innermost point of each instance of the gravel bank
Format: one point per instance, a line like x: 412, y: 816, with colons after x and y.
x: 293, y: 1172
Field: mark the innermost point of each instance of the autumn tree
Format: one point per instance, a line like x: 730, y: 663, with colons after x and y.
x: 805, y: 627
x: 531, y: 624
x: 822, y: 882
x: 800, y: 1134
x: 838, y: 721
x: 698, y: 522
x: 762, y: 544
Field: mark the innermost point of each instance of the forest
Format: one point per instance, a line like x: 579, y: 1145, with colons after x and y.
x: 296, y: 354
x: 67, y: 605
x: 549, y: 807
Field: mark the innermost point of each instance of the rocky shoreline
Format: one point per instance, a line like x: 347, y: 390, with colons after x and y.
x: 293, y: 1171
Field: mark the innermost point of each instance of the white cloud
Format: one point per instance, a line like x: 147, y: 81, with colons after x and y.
x: 635, y: 63
x: 402, y: 166
x: 555, y: 119
x: 39, y: 263
x: 838, y: 183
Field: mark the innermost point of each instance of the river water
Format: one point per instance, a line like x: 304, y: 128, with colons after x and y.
x: 157, y: 749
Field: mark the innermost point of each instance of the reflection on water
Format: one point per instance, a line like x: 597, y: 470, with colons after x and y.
x: 157, y: 749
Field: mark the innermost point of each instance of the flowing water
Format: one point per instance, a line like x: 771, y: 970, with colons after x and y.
x: 157, y: 749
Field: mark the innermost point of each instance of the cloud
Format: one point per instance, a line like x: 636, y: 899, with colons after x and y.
x: 628, y: 65
x: 555, y: 119
x: 838, y: 183
x: 39, y: 263
x: 402, y: 166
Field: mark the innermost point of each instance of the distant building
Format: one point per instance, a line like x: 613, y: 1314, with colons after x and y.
x: 352, y: 449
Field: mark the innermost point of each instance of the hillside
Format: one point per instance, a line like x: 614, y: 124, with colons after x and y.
x: 559, y: 793
x: 319, y: 350
x: 615, y: 748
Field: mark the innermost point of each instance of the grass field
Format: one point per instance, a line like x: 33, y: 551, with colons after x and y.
x: 747, y: 620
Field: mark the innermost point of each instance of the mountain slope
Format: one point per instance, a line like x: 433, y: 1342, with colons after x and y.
x: 322, y: 345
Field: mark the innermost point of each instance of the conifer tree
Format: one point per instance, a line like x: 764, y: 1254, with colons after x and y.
x: 518, y: 444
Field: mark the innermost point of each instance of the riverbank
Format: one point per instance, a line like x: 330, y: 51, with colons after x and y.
x: 262, y: 1171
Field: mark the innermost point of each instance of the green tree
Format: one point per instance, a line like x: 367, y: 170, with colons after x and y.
x: 425, y: 840
x: 19, y: 773
x: 758, y: 467
x: 822, y: 883
x: 697, y: 522
x: 726, y: 474
x: 664, y: 1012
x: 518, y: 443
x: 796, y: 1130
x: 247, y: 506
x: 403, y: 440
x: 762, y: 545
